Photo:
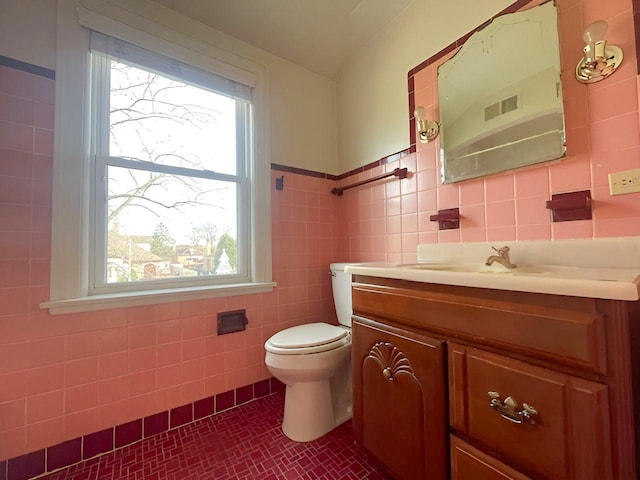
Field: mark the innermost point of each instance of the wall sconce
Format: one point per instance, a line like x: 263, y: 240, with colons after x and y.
x: 600, y: 60
x: 427, y: 129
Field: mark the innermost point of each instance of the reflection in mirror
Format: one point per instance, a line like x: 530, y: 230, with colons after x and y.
x: 501, y: 97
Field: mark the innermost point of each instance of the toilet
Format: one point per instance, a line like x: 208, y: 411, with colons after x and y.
x: 314, y: 362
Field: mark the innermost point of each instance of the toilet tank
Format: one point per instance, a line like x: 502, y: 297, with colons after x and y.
x: 341, y: 284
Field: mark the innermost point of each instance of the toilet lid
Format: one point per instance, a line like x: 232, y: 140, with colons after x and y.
x: 309, y: 335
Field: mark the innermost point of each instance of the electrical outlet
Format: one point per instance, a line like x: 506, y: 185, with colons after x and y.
x: 624, y: 182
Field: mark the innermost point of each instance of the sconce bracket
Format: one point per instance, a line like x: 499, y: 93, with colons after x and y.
x: 428, y: 131
x: 604, y: 67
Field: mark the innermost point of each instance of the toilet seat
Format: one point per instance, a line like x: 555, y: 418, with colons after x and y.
x: 308, y: 338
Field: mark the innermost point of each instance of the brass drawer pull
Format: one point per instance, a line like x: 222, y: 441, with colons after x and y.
x: 509, y: 409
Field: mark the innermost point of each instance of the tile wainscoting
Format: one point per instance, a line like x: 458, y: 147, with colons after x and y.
x: 105, y: 441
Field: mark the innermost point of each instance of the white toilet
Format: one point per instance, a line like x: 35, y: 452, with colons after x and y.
x: 314, y: 362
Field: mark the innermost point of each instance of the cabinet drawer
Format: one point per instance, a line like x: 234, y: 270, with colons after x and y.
x: 550, y: 424
x: 469, y: 463
x: 568, y: 336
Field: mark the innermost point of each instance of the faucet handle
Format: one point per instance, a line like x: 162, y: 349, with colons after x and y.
x: 502, y: 257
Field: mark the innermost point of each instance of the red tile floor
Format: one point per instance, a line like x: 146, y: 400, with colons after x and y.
x: 243, y: 443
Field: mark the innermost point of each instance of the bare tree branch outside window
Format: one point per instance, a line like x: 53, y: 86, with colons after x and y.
x: 166, y: 224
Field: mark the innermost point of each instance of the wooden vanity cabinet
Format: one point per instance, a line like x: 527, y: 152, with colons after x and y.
x: 400, y: 399
x: 469, y: 463
x: 487, y: 353
x: 547, y: 422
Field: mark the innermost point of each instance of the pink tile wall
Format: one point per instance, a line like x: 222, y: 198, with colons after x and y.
x: 68, y: 375
x: 385, y: 221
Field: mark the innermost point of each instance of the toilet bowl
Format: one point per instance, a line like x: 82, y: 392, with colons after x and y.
x: 314, y: 362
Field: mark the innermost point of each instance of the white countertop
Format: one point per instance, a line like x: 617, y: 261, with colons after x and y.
x: 580, y: 268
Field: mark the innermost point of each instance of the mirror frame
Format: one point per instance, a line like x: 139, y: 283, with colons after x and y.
x: 518, y: 5
x: 514, y: 7
x: 532, y: 130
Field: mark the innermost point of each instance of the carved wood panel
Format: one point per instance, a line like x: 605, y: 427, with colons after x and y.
x: 396, y: 372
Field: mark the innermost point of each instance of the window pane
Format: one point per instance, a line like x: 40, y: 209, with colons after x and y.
x: 161, y: 225
x: 165, y: 121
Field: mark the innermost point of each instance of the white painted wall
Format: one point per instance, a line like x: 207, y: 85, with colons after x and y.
x: 302, y: 103
x: 372, y: 102
x: 28, y: 31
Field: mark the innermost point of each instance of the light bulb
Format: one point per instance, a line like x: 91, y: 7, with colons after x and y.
x: 599, y: 59
x: 420, y: 113
x: 595, y: 32
x: 594, y: 37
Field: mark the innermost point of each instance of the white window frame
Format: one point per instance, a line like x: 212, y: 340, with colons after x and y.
x: 71, y: 211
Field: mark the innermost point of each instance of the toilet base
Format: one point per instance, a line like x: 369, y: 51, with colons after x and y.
x: 308, y: 411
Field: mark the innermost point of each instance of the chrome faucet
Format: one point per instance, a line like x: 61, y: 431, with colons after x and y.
x: 502, y: 257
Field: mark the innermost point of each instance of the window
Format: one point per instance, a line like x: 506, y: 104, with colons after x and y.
x: 171, y: 146
x: 161, y: 180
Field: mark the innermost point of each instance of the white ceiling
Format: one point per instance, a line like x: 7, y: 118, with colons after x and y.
x: 320, y: 35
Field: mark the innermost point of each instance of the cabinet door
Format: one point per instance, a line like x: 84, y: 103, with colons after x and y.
x: 400, y: 399
x: 469, y: 463
x: 548, y: 423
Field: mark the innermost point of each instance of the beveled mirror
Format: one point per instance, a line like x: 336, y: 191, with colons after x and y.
x: 501, y: 97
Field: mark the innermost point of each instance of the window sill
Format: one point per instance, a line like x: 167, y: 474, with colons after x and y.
x: 120, y: 300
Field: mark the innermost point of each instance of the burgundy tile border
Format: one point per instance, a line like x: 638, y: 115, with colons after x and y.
x: 301, y: 171
x: 181, y: 415
x: 27, y: 67
x: 276, y: 385
x: 225, y: 400
x: 636, y: 24
x: 204, y: 408
x: 128, y: 433
x: 383, y: 161
x: 244, y: 394
x: 78, y: 449
x: 64, y: 454
x: 261, y: 389
x: 97, y: 443
x: 154, y: 424
x: 26, y: 466
x: 514, y: 7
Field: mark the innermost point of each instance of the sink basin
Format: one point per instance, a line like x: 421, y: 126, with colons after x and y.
x: 490, y: 269
x: 595, y: 268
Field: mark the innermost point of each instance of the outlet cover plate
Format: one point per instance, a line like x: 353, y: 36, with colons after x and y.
x: 624, y: 182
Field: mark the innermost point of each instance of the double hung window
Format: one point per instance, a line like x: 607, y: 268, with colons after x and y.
x: 171, y: 145
x: 161, y: 164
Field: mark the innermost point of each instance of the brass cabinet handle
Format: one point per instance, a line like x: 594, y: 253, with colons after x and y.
x: 509, y: 409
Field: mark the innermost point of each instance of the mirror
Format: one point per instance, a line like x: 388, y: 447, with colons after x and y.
x: 501, y: 97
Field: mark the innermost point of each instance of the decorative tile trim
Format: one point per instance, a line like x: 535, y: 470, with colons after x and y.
x: 92, y: 445
x: 514, y: 7
x: 383, y: 161
x: 636, y: 24
x: 301, y: 171
x: 310, y: 173
x: 27, y: 67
